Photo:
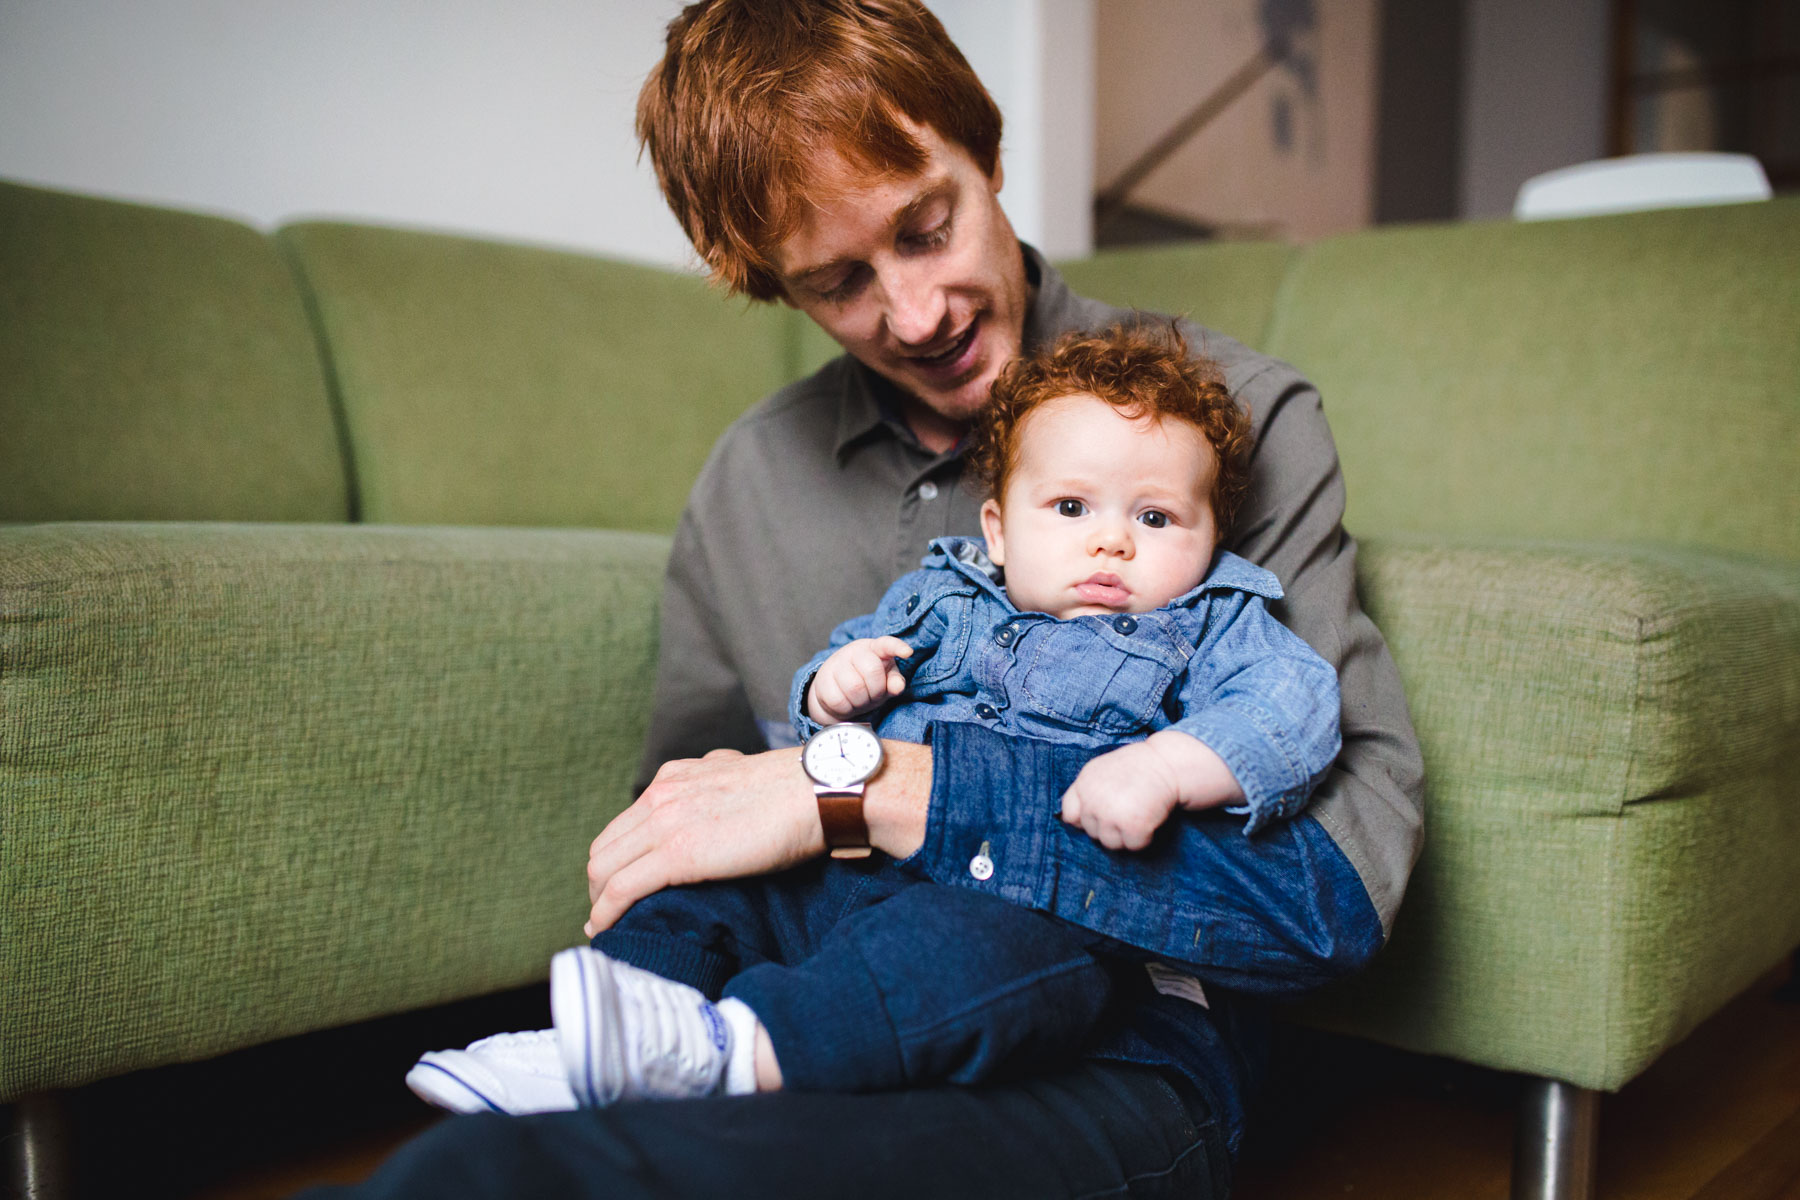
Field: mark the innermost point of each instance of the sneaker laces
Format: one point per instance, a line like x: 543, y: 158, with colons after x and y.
x: 534, y: 1051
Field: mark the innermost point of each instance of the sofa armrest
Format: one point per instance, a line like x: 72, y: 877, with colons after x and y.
x: 1612, y: 834
x: 1571, y: 680
x: 259, y: 780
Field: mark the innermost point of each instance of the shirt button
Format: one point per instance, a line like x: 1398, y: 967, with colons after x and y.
x: 981, y: 867
x: 928, y: 490
x: 1005, y: 635
x: 912, y: 602
x: 1125, y: 625
x: 986, y: 712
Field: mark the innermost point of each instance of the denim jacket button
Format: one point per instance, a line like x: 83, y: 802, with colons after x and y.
x: 912, y: 602
x: 986, y: 712
x: 1005, y: 635
x: 981, y: 867
x: 1125, y: 625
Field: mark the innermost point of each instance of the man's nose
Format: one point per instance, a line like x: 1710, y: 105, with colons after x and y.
x: 918, y: 310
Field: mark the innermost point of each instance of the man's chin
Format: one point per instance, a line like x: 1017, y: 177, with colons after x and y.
x: 959, y: 402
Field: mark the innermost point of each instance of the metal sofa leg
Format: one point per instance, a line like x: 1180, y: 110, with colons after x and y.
x: 1555, y: 1142
x: 39, y: 1161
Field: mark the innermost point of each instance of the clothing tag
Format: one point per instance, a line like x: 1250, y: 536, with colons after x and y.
x: 1174, y: 983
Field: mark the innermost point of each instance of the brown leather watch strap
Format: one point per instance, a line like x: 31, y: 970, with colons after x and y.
x: 841, y: 817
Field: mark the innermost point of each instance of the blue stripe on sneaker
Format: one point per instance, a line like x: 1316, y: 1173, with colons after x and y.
x: 587, y: 1031
x: 472, y: 1089
x: 715, y: 1025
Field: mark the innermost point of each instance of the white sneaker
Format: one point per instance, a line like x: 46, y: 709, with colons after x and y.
x: 627, y: 1034
x: 515, y: 1073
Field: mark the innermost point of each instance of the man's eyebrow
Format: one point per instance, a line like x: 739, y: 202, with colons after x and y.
x: 902, y: 215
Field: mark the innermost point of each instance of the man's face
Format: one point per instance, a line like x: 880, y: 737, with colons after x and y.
x: 920, y: 277
x: 1103, y: 513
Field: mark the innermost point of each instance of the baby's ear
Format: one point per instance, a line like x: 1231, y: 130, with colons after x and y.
x: 991, y: 529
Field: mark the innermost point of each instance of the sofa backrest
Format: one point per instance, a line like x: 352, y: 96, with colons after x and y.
x: 1629, y: 378
x: 155, y: 365
x: 492, y: 384
x: 1228, y: 286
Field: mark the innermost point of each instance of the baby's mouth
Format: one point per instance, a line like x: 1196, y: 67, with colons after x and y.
x: 1104, y: 589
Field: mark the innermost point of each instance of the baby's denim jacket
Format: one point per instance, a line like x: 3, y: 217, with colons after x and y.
x: 1212, y: 663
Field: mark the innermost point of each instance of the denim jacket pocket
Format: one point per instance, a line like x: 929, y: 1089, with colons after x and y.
x: 1080, y: 673
x: 935, y: 622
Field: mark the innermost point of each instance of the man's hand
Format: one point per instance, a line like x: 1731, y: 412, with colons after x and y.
x: 718, y: 817
x: 858, y: 678
x: 729, y: 815
x: 1121, y: 798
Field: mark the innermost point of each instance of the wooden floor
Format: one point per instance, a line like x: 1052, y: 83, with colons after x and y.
x: 1717, y: 1118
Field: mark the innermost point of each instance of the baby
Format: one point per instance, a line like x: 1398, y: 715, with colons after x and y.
x: 1100, y: 612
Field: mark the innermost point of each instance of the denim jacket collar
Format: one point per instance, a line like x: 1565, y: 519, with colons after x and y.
x: 968, y: 557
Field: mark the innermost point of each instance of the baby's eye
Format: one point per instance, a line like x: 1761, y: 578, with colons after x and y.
x: 1071, y: 508
x: 1154, y: 519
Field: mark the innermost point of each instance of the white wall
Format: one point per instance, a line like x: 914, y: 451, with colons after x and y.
x: 506, y: 120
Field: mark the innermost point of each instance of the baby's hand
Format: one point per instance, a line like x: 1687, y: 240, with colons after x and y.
x: 1121, y: 798
x: 857, y: 679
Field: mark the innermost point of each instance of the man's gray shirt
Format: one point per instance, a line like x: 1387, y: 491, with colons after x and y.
x: 818, y: 498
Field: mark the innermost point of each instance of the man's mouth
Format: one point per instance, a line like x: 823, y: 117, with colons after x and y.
x: 1104, y: 589
x: 953, y: 361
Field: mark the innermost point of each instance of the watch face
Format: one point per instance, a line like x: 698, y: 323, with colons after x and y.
x: 842, y: 755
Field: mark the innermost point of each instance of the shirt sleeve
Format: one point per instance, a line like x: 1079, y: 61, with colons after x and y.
x: 921, y: 635
x: 1365, y: 813
x: 1372, y: 797
x: 849, y: 631
x: 1263, y: 701
x: 698, y: 701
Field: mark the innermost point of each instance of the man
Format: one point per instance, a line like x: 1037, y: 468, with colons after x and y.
x: 842, y: 158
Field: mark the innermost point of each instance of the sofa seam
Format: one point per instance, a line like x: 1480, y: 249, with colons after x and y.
x: 328, y: 370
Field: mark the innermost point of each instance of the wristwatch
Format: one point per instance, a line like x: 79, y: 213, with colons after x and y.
x: 840, y: 760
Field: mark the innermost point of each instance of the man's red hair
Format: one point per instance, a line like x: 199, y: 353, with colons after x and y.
x: 750, y: 92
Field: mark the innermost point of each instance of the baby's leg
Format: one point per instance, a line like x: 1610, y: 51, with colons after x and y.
x: 705, y: 934
x: 694, y: 936
x: 934, y: 984
x: 634, y: 1012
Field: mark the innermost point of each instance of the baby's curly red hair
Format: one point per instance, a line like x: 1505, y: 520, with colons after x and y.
x: 1142, y: 370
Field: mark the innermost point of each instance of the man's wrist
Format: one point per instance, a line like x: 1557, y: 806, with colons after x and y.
x: 896, y: 802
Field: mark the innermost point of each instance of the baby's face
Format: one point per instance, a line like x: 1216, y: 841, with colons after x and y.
x: 1104, y: 513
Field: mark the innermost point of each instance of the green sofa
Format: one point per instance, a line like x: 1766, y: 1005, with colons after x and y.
x: 328, y: 608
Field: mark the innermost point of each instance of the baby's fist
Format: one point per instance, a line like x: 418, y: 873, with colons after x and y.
x: 1122, y: 797
x: 858, y: 678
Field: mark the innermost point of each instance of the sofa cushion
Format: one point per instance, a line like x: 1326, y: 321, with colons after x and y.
x: 492, y: 384
x: 155, y: 365
x: 1612, y: 820
x: 260, y: 780
x: 1630, y: 378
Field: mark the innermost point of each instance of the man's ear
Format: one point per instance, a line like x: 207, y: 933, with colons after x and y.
x: 992, y: 531
x: 997, y: 180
